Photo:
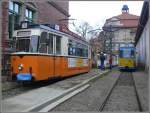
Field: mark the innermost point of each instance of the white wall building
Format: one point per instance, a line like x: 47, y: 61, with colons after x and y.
x: 142, y: 39
x: 124, y: 29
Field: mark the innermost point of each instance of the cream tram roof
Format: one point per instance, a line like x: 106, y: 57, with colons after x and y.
x: 37, y: 29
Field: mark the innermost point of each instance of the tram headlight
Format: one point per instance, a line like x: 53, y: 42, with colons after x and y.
x: 20, y: 67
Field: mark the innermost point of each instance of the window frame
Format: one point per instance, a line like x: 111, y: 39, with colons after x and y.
x: 59, y: 37
x: 13, y: 10
x: 28, y: 16
x: 22, y: 38
x: 81, y: 50
x: 14, y: 15
x: 49, y: 43
x: 39, y: 43
x: 36, y: 42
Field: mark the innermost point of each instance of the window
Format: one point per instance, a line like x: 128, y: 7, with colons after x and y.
x: 42, y: 43
x: 126, y: 52
x: 14, y: 7
x: 77, y: 49
x: 14, y: 17
x: 34, y: 43
x: 11, y: 5
x: 29, y: 15
x: 50, y: 45
x: 23, y: 44
x: 70, y: 48
x: 58, y: 45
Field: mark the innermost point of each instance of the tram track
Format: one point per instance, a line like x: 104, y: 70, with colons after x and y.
x: 114, y: 102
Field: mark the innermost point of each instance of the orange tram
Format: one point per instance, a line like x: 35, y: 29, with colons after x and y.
x: 42, y: 53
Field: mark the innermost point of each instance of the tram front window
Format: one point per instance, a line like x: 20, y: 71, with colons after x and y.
x: 22, y: 44
x: 126, y: 53
x: 27, y: 44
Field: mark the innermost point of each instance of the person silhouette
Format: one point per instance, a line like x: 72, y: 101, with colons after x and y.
x: 102, y: 59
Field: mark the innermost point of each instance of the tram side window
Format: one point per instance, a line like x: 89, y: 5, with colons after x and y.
x: 71, y: 48
x: 42, y: 43
x: 85, y: 52
x: 50, y: 45
x: 77, y: 49
x: 34, y: 43
x: 58, y: 45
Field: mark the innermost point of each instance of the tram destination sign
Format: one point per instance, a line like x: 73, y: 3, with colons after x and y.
x: 23, y: 33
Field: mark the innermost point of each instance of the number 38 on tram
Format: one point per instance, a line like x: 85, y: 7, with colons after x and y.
x: 43, y: 53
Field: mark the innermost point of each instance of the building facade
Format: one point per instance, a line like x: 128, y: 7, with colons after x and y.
x: 117, y: 31
x: 40, y: 12
x: 142, y: 39
x: 122, y: 29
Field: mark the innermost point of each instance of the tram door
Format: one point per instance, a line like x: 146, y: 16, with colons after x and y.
x: 57, y: 56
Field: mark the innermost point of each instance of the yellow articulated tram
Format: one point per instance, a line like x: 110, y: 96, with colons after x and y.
x: 43, y: 53
x: 127, y: 58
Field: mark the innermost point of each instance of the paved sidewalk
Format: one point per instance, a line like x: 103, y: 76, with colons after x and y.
x: 141, y: 81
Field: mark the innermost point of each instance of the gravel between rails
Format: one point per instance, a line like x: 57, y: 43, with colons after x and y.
x: 123, y: 97
x: 19, y: 89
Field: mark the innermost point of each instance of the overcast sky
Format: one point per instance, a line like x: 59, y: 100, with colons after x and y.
x: 96, y: 12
